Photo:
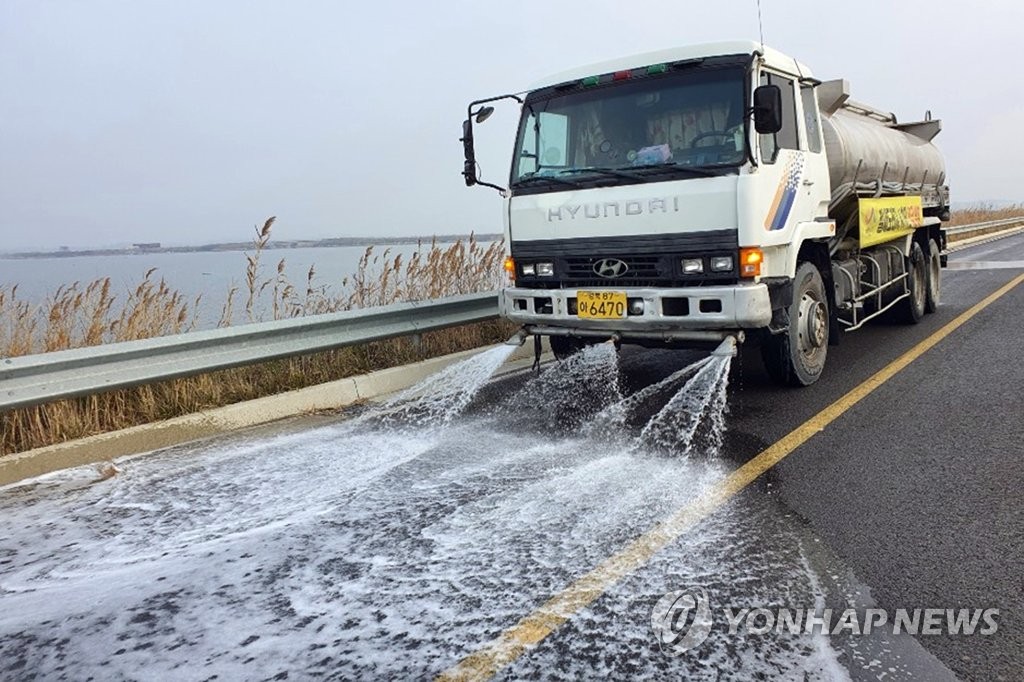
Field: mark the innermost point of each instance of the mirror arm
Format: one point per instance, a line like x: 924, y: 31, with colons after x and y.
x: 470, y: 114
x: 748, y: 133
x: 469, y: 171
x: 500, y: 189
x: 469, y: 109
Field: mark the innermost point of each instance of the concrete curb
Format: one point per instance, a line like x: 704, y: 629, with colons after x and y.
x: 150, y: 437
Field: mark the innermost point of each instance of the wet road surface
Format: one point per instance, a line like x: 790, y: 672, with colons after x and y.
x: 393, y: 543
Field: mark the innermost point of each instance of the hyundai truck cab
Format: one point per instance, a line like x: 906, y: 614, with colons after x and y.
x: 670, y: 197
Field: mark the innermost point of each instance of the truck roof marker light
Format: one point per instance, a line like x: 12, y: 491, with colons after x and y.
x: 510, y: 267
x: 750, y: 261
x: 622, y: 75
x: 590, y: 81
x: 656, y: 68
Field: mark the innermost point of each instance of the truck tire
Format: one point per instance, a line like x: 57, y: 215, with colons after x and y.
x: 911, y: 309
x: 931, y: 301
x: 796, y: 357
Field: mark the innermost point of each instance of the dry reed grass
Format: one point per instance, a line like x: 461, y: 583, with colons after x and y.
x: 80, y: 315
x: 980, y: 213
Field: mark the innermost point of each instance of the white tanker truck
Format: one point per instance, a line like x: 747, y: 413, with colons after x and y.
x: 691, y: 195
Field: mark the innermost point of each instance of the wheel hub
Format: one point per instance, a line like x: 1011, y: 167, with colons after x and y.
x: 814, y: 323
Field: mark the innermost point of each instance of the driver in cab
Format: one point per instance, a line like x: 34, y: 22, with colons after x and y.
x: 636, y: 132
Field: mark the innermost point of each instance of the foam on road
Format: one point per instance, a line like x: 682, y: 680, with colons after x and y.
x: 385, y: 548
x: 395, y: 543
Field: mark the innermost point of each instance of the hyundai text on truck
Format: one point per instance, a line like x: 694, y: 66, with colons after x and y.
x: 717, y: 191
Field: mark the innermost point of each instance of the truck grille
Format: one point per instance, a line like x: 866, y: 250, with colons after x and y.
x: 599, y: 283
x: 651, y: 260
x: 638, y: 268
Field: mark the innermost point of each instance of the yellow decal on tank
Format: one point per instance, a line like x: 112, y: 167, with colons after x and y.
x: 888, y: 218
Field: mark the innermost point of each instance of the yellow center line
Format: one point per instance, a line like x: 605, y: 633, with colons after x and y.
x: 513, y: 642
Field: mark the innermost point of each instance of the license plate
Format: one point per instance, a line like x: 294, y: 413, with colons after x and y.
x: 601, y: 305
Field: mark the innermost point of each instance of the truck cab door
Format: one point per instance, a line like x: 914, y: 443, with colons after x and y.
x: 795, y: 185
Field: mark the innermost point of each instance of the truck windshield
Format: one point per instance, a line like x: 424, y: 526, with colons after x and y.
x: 683, y: 123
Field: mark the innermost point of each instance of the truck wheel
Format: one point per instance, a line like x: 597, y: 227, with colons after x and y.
x: 564, y: 346
x: 931, y: 301
x: 911, y: 309
x: 796, y: 357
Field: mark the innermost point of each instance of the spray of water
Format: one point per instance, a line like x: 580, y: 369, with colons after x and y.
x: 694, y: 419
x: 442, y: 396
x: 566, y: 394
x: 611, y: 422
x: 581, y: 394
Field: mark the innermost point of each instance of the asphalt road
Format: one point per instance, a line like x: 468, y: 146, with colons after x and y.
x: 393, y: 544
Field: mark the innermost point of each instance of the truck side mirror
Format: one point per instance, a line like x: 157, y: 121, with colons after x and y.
x: 767, y: 109
x: 469, y: 167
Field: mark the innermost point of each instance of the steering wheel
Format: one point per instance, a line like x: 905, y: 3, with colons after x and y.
x: 608, y: 149
x: 710, y: 133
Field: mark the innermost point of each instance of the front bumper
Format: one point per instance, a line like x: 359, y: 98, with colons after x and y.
x: 696, y: 313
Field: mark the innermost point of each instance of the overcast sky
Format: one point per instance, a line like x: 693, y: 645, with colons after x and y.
x: 189, y: 121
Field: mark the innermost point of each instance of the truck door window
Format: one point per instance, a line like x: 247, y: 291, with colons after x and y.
x: 551, y: 138
x: 787, y: 137
x: 811, y: 120
x: 554, y: 140
x: 528, y: 153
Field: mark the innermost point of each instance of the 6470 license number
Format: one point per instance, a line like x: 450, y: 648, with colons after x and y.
x: 604, y: 305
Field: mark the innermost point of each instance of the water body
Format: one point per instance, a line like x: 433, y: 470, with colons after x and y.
x: 207, y: 274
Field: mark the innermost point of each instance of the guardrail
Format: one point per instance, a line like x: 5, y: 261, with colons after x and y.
x: 975, y: 229
x: 35, y: 379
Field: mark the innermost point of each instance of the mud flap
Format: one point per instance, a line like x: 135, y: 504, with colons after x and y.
x: 780, y: 295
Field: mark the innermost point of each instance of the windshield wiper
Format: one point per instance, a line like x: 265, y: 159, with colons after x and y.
x: 529, y: 179
x: 670, y: 166
x: 614, y: 172
x: 634, y: 173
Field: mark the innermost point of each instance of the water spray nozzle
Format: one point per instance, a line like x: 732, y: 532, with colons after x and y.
x: 726, y: 349
x: 518, y: 339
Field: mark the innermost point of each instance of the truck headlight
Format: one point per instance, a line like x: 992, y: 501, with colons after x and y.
x: 528, y: 269
x: 693, y: 266
x: 545, y: 269
x: 721, y: 264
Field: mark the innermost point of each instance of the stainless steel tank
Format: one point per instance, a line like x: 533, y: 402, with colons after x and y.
x: 859, y: 136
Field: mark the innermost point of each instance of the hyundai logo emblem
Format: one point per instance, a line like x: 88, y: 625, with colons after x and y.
x: 610, y: 268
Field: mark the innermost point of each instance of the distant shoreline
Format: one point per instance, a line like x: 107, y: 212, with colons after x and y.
x: 244, y: 246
